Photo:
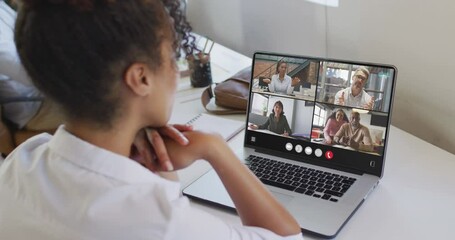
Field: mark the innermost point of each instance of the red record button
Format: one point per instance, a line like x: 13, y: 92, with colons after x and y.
x: 329, y: 155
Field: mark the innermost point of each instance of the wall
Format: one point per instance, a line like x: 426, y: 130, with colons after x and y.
x: 272, y: 25
x: 302, y: 118
x: 416, y: 36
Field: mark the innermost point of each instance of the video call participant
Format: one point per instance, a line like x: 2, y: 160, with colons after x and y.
x: 355, y: 95
x: 276, y: 122
x: 333, y: 124
x: 281, y: 82
x: 112, y: 66
x: 354, y: 134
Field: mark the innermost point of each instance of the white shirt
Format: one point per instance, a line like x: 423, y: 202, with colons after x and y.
x: 62, y: 187
x: 14, y: 80
x: 281, y: 86
x: 350, y: 100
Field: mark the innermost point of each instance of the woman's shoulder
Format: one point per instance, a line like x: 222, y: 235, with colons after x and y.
x: 331, y: 121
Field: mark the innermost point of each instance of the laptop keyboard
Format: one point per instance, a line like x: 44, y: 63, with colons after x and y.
x: 304, y: 180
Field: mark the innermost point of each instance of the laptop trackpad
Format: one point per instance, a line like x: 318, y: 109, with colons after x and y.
x: 282, y: 198
x: 210, y: 188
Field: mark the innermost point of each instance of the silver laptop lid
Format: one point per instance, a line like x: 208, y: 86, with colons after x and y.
x: 328, y: 112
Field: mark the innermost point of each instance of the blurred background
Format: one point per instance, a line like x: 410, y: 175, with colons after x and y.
x: 414, y: 35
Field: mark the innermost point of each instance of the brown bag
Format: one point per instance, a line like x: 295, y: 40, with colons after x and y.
x: 230, y: 96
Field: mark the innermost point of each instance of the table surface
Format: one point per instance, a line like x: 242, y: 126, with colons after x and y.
x: 414, y: 199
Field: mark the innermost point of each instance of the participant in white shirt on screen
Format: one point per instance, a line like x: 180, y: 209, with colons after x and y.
x: 281, y: 82
x: 112, y: 66
x: 355, y: 95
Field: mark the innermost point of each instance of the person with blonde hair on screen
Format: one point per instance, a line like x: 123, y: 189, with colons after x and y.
x: 355, y: 95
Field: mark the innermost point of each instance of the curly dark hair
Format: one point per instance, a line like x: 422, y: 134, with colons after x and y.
x: 77, y: 51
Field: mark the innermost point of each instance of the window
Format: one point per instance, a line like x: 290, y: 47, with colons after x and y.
x: 319, y: 116
x: 329, y: 3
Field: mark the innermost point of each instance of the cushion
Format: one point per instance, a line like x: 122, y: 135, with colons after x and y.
x: 6, y: 140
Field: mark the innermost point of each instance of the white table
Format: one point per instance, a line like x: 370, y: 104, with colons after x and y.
x: 414, y: 200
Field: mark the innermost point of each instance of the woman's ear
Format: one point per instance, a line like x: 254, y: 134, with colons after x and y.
x: 138, y: 79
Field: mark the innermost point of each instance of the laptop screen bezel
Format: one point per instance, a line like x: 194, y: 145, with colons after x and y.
x: 275, y: 145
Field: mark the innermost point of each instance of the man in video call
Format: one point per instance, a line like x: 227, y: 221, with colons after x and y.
x: 354, y: 134
x: 355, y: 95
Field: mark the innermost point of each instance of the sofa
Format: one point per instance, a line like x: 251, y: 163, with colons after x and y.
x: 10, y: 135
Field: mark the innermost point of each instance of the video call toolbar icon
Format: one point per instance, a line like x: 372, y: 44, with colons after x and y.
x: 329, y: 155
x: 318, y: 152
x: 289, y: 146
x: 298, y: 148
x: 308, y: 150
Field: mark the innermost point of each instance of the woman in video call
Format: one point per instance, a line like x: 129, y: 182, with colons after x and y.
x: 333, y: 124
x: 276, y: 122
x: 104, y: 174
x: 281, y: 82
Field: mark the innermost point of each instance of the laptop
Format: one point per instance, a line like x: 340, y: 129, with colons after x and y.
x: 321, y: 169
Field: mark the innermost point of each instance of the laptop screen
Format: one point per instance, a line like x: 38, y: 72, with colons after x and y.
x: 324, y: 111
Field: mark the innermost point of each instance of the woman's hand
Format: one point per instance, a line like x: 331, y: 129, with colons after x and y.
x: 201, y: 146
x: 266, y: 80
x: 149, y: 149
x: 295, y: 81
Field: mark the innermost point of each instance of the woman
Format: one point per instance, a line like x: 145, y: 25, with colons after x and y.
x: 111, y: 66
x: 276, y: 122
x: 333, y: 124
x: 281, y: 82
